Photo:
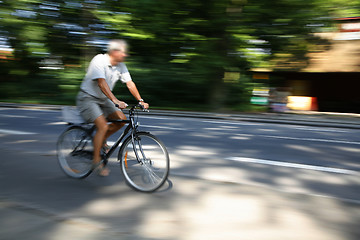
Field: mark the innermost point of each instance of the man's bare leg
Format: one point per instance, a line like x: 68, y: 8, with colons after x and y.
x: 98, y: 141
x: 114, y: 127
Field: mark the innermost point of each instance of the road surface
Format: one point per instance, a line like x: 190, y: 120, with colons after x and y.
x: 229, y: 180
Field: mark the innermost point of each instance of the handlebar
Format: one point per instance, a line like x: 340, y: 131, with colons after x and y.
x: 134, y: 107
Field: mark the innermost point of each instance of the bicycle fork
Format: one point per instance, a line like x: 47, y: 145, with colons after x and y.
x: 141, y: 162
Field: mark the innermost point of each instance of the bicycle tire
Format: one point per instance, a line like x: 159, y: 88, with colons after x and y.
x: 75, y: 163
x: 155, y: 165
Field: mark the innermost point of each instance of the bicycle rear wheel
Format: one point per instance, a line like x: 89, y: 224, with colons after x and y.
x: 75, y: 151
x: 147, y: 169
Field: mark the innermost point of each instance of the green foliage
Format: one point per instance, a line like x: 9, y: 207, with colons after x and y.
x: 182, y: 51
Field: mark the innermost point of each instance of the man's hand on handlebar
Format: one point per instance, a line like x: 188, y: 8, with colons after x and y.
x: 120, y: 104
x: 123, y: 105
x: 144, y: 104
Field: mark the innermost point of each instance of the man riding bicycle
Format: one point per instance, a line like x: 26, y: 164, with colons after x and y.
x: 96, y: 102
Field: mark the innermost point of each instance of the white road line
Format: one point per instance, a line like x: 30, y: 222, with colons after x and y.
x: 15, y: 116
x: 14, y: 132
x: 293, y: 165
x: 290, y: 127
x: 310, y: 139
x: 162, y: 127
x: 232, y: 123
x: 160, y: 118
x: 320, y: 129
x: 57, y: 123
x: 111, y: 143
x: 35, y: 109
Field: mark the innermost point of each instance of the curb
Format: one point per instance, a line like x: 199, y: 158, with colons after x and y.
x: 301, y: 119
x: 259, y: 119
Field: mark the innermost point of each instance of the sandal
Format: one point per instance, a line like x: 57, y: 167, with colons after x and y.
x: 100, y: 169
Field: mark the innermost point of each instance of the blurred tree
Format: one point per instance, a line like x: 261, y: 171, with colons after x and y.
x: 187, y: 45
x: 192, y: 44
x: 45, y: 36
x: 194, y: 52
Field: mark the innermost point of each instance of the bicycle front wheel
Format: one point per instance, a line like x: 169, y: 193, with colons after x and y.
x: 145, y: 164
x: 74, y: 152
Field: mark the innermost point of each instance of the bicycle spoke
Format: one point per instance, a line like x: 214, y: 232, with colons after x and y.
x: 144, y: 175
x: 152, y: 174
x: 73, y: 155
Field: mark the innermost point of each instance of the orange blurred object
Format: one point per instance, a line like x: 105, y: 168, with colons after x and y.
x: 302, y: 103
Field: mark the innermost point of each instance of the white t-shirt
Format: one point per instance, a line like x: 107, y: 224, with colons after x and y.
x: 100, y: 67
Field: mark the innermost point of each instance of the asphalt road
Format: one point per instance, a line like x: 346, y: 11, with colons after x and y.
x: 320, y: 165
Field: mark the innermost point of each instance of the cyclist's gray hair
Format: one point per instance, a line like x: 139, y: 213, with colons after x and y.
x: 117, y: 44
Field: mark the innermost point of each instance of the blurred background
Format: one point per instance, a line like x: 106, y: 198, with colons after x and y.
x: 191, y: 54
x: 234, y: 175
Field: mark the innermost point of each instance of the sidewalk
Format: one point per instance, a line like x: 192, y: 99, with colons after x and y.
x: 305, y: 118
x: 193, y: 209
x: 19, y: 221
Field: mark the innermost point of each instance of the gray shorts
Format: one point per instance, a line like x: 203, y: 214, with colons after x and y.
x: 91, y: 107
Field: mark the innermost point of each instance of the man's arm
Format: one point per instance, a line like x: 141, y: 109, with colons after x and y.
x: 106, y: 90
x: 134, y: 91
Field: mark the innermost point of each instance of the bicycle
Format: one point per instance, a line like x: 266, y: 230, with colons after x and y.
x: 144, y: 159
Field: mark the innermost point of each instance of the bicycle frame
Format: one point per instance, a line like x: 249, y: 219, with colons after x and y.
x: 132, y: 126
